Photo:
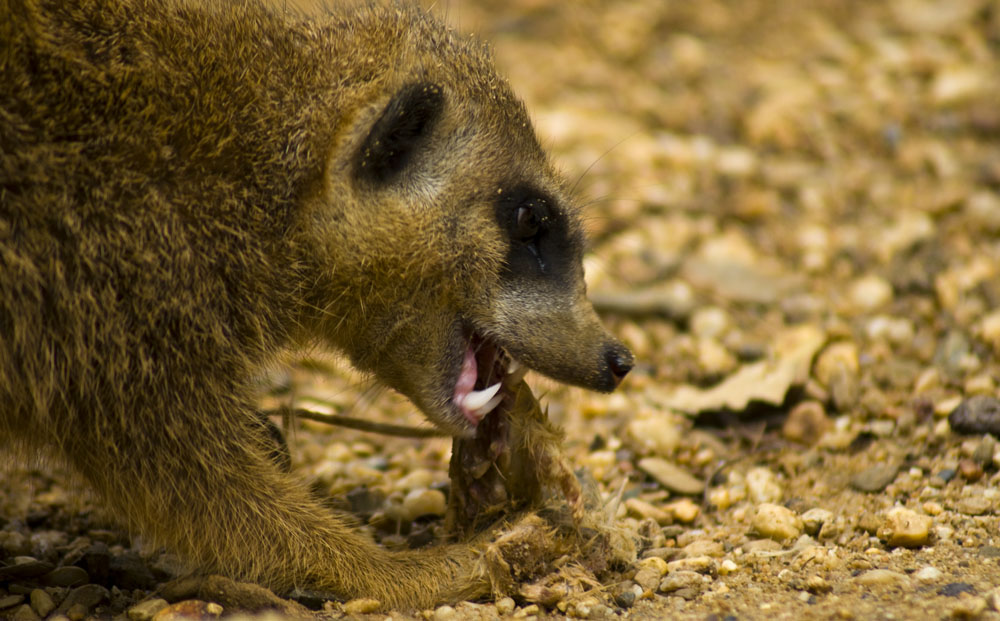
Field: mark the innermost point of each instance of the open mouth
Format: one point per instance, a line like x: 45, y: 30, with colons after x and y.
x: 487, y: 378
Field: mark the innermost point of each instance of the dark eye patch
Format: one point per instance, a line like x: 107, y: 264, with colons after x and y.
x: 398, y: 133
x: 541, y: 245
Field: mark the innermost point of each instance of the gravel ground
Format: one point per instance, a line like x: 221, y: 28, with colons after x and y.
x: 794, y: 212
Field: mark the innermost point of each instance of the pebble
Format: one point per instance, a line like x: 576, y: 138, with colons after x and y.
x: 776, y: 522
x: 625, y: 599
x: 643, y: 510
x: 727, y: 567
x: 876, y: 478
x: 699, y: 564
x: 417, y: 479
x: 969, y: 608
x: 979, y: 414
x: 655, y: 436
x: 905, y: 528
x: 670, y: 476
x: 76, y: 612
x: 25, y: 567
x: 189, y: 609
x: 709, y: 322
x: 11, y: 600
x: 675, y: 581
x: 145, y: 610
x: 421, y: 502
x: 42, y: 602
x: 25, y: 613
x: 954, y: 589
x: 129, y: 571
x: 684, y: 510
x: 704, y: 547
x: 763, y: 486
x: 651, y: 570
x: 443, y: 613
x: 877, y: 577
x: 869, y: 293
x: 85, y: 596
x: 814, y: 519
x: 361, y: 606
x: 974, y: 505
x: 928, y: 574
x: 505, y: 605
x: 69, y: 576
x: 806, y: 423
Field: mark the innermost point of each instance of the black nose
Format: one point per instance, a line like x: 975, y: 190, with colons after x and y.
x: 619, y: 362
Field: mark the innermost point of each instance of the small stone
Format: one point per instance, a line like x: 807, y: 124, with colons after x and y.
x: 85, y: 596
x: 76, y: 612
x: 727, y: 567
x: 806, y: 423
x: 129, y: 571
x: 25, y: 567
x: 676, y: 581
x: 417, y: 479
x: 655, y: 436
x: 817, y: 585
x: 684, y: 510
x: 970, y: 470
x: 763, y: 486
x: 443, y: 613
x: 655, y: 563
x: 880, y: 577
x: 10, y: 601
x: 421, y: 502
x: 974, y: 505
x: 704, y: 547
x: 42, y: 602
x: 505, y: 606
x: 875, y: 479
x: 905, y: 528
x: 969, y: 608
x: 644, y: 510
x: 361, y: 606
x: 709, y: 322
x: 869, y: 293
x: 979, y: 414
x: 69, y: 576
x: 954, y: 589
x: 699, y: 564
x: 670, y: 476
x: 189, y: 609
x: 145, y: 610
x: 928, y: 574
x: 625, y: 599
x: 776, y: 522
x: 25, y: 613
x: 814, y: 519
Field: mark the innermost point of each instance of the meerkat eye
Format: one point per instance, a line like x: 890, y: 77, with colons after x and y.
x: 529, y: 219
x: 527, y: 222
x: 399, y: 132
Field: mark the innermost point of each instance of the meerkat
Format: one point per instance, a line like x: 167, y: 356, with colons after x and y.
x: 188, y: 189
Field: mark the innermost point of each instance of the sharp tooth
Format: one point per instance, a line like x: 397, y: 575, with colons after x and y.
x: 478, y: 398
x: 488, y: 407
x: 513, y: 367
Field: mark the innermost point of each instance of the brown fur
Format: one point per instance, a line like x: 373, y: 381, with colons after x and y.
x: 177, y: 205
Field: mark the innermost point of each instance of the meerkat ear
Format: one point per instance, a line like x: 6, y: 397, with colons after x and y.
x: 399, y: 132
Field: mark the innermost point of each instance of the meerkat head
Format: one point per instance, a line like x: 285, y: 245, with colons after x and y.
x: 455, y: 251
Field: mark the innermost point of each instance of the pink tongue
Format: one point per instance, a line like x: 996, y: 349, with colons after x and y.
x: 466, y: 379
